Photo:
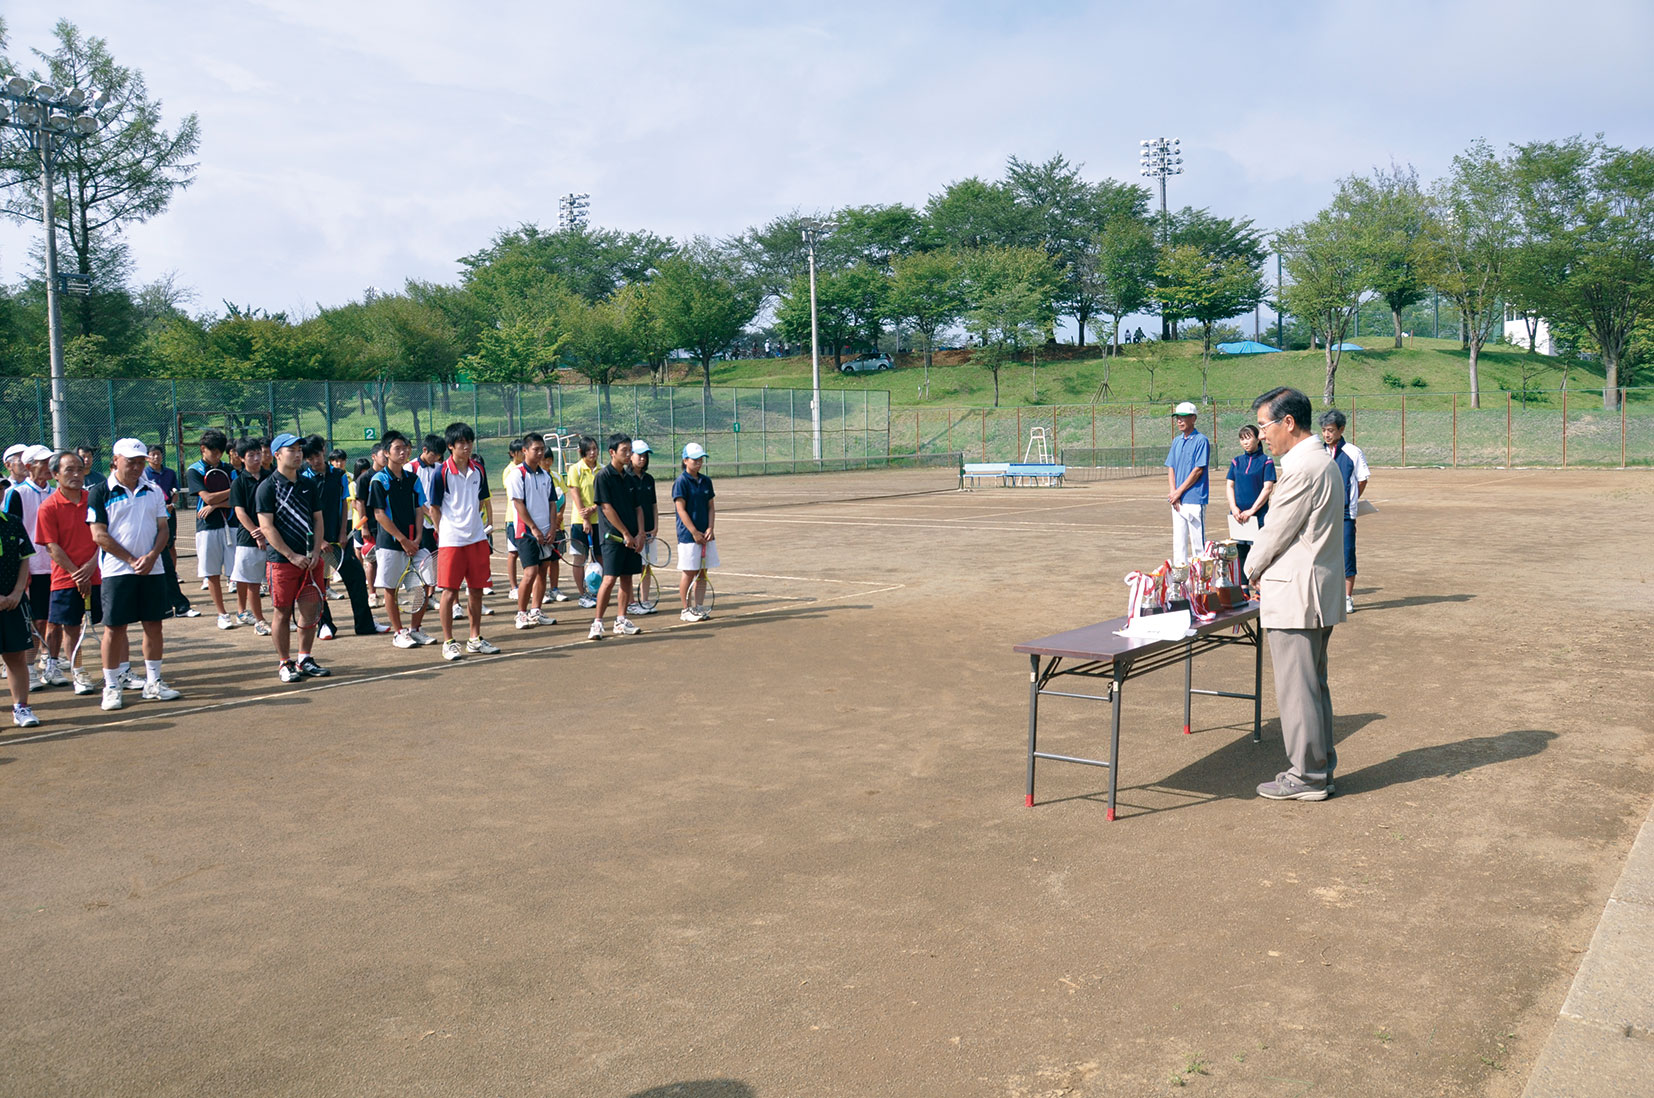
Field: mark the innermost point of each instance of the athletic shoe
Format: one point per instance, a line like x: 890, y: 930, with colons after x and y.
x: 539, y: 618
x: 160, y: 691
x: 459, y: 611
x: 261, y: 627
x: 53, y: 675
x: 481, y: 647
x: 557, y: 595
x: 227, y: 621
x: 624, y: 627
x: 404, y: 639
x: 310, y: 667
x: 205, y: 586
x: 1289, y: 787
x: 23, y: 717
x: 325, y: 632
x: 381, y: 627
x: 703, y: 612
x: 264, y: 590
x: 112, y: 698
x: 597, y: 630
x: 452, y: 650
x: 523, y: 621
x: 1349, y: 605
x: 245, y: 617
x: 35, y: 682
x: 84, y: 685
x: 188, y: 612
x: 421, y: 637
x: 488, y: 590
x: 289, y: 672
x: 128, y: 682
x: 487, y: 610
x: 375, y: 600
x: 587, y: 602
x: 512, y: 594
x: 635, y: 608
x: 689, y: 614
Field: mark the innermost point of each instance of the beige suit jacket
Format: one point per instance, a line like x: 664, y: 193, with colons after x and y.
x: 1297, y: 562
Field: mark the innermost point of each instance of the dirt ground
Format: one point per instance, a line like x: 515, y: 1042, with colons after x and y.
x: 785, y: 852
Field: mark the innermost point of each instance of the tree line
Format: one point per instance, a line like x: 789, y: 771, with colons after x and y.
x: 1561, y: 230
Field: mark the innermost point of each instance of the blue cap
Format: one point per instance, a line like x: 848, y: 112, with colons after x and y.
x: 284, y: 440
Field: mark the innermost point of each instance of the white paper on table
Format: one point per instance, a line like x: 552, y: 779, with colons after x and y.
x: 1172, y: 626
x: 1362, y: 507
x: 1243, y: 531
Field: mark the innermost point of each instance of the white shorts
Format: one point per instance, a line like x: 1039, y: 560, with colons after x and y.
x: 214, y: 552
x: 249, y: 564
x: 689, y: 555
x: 390, y: 563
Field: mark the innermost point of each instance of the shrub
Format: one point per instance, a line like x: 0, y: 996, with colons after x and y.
x: 1419, y: 383
x: 1391, y: 381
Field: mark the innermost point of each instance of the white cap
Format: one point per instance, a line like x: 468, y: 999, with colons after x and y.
x: 1187, y: 408
x: 130, y: 448
x: 37, y: 453
x: 694, y: 450
x: 16, y: 451
x: 639, y: 446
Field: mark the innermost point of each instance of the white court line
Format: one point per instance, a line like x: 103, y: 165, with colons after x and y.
x: 469, y: 661
x: 1002, y: 527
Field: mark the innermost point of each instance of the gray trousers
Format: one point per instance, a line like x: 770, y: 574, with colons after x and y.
x: 1299, y: 657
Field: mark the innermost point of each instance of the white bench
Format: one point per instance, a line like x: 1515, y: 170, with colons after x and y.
x: 983, y: 470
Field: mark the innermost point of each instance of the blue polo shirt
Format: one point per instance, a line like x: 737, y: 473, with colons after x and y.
x: 1251, y: 472
x: 697, y: 495
x: 1188, y: 453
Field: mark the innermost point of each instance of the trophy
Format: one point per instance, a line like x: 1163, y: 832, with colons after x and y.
x: 1146, y: 595
x: 1177, y: 588
x: 1230, y: 592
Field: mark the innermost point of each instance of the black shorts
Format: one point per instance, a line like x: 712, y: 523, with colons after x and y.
x: 619, y: 560
x: 128, y: 599
x: 16, y: 634
x: 530, y: 553
x: 40, y: 595
x: 68, y: 608
x: 511, y: 539
x: 579, y: 543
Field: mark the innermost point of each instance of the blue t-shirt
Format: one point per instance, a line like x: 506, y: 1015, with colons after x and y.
x: 696, y: 492
x: 1188, y: 453
x: 1251, y: 472
x: 1346, y: 472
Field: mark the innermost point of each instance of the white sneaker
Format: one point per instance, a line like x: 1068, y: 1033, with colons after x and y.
x: 624, y: 627
x: 23, y: 717
x: 84, y: 685
x: 128, y: 681
x: 538, y: 617
x: 596, y: 633
x: 404, y: 639
x: 488, y: 590
x: 689, y: 614
x: 53, y: 674
x: 459, y: 612
x: 227, y: 621
x: 452, y: 650
x: 487, y: 610
x: 160, y: 691
x: 34, y: 678
x: 587, y: 602
x: 1349, y: 605
x: 381, y: 627
x: 481, y: 647
x: 512, y: 594
x: 261, y: 627
x: 523, y: 621
x: 421, y: 637
x: 635, y: 608
x: 205, y: 586
x: 557, y: 595
x: 325, y: 632
x: 112, y: 698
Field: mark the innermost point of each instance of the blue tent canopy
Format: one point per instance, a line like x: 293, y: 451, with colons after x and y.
x: 1349, y: 347
x: 1247, y: 347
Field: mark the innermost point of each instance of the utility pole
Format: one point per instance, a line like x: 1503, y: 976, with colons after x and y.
x: 1157, y: 158
x: 811, y: 231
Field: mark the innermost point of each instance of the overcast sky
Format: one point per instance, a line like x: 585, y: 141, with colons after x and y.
x: 358, y: 143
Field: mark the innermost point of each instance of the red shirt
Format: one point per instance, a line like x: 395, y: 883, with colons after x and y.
x: 63, y: 520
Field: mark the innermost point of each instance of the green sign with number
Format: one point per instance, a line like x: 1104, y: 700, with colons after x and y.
x: 736, y: 427
x: 369, y: 434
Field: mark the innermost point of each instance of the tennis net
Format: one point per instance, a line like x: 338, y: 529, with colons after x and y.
x: 759, y: 484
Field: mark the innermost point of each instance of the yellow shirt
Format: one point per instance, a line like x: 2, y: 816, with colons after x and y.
x: 580, y: 480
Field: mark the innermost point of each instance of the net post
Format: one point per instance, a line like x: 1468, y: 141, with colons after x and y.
x: 1456, y: 433
x: 1404, y: 430
x: 1507, y: 428
x: 1564, y: 428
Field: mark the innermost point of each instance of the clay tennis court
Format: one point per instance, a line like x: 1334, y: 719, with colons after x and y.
x: 785, y: 852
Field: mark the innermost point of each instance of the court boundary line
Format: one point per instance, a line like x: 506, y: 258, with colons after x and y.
x: 469, y: 661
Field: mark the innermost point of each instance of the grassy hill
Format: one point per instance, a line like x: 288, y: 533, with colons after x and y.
x: 1439, y: 364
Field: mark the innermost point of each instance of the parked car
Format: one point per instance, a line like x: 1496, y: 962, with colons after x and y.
x: 867, y: 364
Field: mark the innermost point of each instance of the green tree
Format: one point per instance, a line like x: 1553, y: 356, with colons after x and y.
x: 703, y: 302
x: 1219, y: 238
x: 1475, y: 237
x: 1390, y: 218
x: 1588, y: 212
x: 1193, y: 283
x: 591, y: 263
x: 835, y: 321
x: 1125, y: 269
x: 1009, y: 294
x: 603, y: 340
x: 875, y: 235
x: 972, y: 214
x: 927, y: 293
x: 1330, y: 271
x: 123, y: 175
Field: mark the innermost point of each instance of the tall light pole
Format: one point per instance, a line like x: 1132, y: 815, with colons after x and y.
x: 1159, y: 157
x: 50, y: 119
x: 572, y: 211
x: 812, y: 230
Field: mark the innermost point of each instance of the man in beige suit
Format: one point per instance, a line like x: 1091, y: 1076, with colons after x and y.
x: 1297, y: 566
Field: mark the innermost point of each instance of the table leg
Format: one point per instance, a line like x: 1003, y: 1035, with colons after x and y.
x: 1118, y: 689
x: 1257, y: 686
x: 1188, y: 682
x: 1033, y: 721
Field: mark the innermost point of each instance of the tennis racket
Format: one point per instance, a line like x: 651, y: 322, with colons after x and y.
x: 330, y: 558
x: 87, y: 629
x: 706, y: 597
x: 418, y: 573
x: 656, y: 554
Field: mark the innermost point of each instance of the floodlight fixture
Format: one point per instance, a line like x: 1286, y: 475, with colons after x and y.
x: 87, y: 125
x: 75, y: 97
x: 102, y: 100
x: 45, y: 91
x: 17, y: 87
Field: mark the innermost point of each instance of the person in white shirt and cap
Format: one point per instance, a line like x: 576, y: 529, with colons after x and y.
x: 129, y: 522
x: 1187, y: 484
x: 13, y: 458
x: 22, y: 501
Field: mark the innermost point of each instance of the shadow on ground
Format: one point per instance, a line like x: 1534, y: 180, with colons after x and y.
x: 699, y: 1088
x: 1445, y: 760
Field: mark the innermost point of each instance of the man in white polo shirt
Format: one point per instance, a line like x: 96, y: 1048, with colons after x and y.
x: 129, y: 522
x: 460, y: 510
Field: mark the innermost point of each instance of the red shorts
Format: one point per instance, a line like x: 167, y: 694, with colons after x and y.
x: 458, y: 565
x: 286, y: 580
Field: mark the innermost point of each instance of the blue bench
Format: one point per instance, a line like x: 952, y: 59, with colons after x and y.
x: 1035, y: 473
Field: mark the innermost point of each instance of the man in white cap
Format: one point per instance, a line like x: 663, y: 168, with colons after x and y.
x: 22, y: 501
x: 1187, y: 486
x: 129, y: 522
x: 13, y: 458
